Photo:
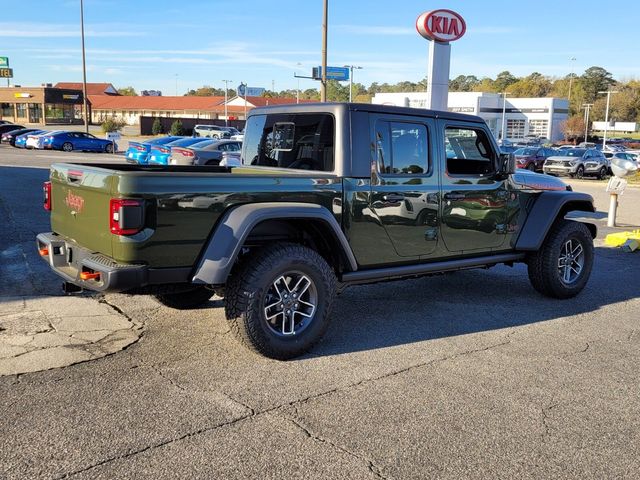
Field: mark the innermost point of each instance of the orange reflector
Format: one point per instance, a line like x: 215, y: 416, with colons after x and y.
x: 89, y: 276
x: 43, y: 251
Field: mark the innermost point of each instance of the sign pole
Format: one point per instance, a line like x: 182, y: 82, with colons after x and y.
x: 323, y: 81
x: 84, y: 71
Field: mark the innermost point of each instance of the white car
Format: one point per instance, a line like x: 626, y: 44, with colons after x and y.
x: 239, y: 137
x: 35, y: 141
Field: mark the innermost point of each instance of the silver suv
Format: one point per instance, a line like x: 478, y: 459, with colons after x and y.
x: 578, y: 163
x: 212, y: 131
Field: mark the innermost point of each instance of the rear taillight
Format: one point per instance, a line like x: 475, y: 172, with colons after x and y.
x: 184, y: 152
x: 126, y: 216
x: 164, y: 150
x: 140, y: 148
x: 46, y: 191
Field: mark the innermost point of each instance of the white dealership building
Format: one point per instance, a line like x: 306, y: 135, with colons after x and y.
x: 540, y: 117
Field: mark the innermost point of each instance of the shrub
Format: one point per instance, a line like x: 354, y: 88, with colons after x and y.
x: 112, y: 125
x: 156, y: 128
x: 176, y: 128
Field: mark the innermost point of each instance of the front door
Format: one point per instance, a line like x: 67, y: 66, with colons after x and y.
x: 474, y: 202
x: 404, y: 185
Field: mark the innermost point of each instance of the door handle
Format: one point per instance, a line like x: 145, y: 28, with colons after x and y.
x: 454, y: 196
x: 393, y: 197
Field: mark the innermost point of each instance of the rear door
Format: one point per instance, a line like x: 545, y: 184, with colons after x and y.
x: 404, y: 187
x: 474, y: 203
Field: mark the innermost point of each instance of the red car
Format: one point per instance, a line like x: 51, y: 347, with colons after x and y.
x: 532, y: 158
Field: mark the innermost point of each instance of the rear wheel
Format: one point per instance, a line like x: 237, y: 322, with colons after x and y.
x: 562, y: 266
x: 279, y: 302
x: 67, y: 146
x: 187, y: 299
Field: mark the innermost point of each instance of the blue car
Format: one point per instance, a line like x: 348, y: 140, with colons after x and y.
x: 10, y: 137
x: 139, y: 151
x: 160, y: 153
x: 69, y: 141
x: 21, y: 140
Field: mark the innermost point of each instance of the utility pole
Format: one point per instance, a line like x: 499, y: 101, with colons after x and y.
x: 587, y: 109
x: 572, y: 60
x: 84, y: 71
x: 351, y: 67
x: 226, y: 90
x: 323, y: 81
x: 504, y: 109
x: 606, y: 116
x: 176, y: 83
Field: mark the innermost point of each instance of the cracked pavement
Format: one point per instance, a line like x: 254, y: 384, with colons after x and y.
x: 470, y: 375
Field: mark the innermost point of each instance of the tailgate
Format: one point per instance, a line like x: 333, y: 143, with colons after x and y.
x: 80, y: 205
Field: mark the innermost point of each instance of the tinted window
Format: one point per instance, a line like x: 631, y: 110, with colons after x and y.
x: 468, y: 152
x: 310, y: 137
x: 402, y: 147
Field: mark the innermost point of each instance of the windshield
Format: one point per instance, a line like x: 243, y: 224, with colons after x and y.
x: 571, y: 152
x: 525, y: 151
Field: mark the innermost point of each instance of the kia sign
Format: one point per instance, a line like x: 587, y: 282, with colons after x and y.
x: 441, y: 25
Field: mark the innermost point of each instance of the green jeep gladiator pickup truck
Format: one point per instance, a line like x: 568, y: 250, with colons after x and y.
x: 327, y: 196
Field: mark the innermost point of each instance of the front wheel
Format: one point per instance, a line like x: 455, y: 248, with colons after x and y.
x: 562, y: 266
x: 531, y: 167
x: 108, y: 148
x: 67, y: 146
x: 278, y: 303
x: 580, y: 172
x: 602, y: 174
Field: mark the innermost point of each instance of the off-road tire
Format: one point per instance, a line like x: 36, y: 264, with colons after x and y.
x: 67, y: 147
x: 187, y: 299
x: 247, y: 289
x: 543, y: 264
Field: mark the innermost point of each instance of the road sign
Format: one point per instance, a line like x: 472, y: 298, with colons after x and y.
x: 113, y: 136
x: 4, y: 62
x: 341, y: 74
x: 6, y: 72
x: 243, y: 90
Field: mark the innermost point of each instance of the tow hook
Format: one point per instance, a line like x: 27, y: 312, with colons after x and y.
x: 70, y: 288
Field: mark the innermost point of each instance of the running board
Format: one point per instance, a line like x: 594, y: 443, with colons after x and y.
x: 392, y: 273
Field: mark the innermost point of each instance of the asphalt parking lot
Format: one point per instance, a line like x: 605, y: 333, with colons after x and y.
x: 468, y: 375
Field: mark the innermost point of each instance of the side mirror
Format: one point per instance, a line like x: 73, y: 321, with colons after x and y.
x: 506, y: 165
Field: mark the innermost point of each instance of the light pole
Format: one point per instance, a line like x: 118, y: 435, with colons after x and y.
x: 84, y: 71
x: 176, y: 83
x: 351, y: 67
x: 606, y: 116
x: 226, y: 89
x: 587, y: 109
x: 572, y: 60
x: 298, y: 89
x: 504, y: 109
x: 323, y: 81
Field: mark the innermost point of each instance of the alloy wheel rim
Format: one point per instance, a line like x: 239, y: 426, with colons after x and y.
x: 571, y: 261
x: 290, y: 304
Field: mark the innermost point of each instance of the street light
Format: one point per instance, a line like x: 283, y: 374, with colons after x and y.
x: 84, y: 71
x: 226, y: 89
x: 606, y: 116
x: 504, y: 108
x: 587, y: 109
x: 572, y: 60
x: 351, y: 67
x: 323, y: 80
x: 298, y: 89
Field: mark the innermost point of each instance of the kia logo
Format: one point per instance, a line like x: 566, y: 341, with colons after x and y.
x: 441, y: 25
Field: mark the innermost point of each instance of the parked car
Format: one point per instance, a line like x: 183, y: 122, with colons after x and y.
x: 532, y: 158
x: 578, y: 162
x: 508, y: 148
x: 159, y: 154
x: 209, y: 154
x: 4, y: 122
x: 138, y: 152
x: 10, y: 137
x: 9, y: 127
x: 622, y: 155
x: 213, y: 131
x: 21, y: 140
x: 34, y: 140
x: 69, y: 141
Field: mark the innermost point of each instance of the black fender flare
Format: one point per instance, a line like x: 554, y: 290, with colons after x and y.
x: 546, y: 209
x: 223, y: 247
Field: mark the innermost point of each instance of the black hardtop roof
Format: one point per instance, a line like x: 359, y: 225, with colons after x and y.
x: 340, y: 107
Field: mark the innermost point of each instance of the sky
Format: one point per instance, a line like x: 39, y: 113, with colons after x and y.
x: 175, y: 46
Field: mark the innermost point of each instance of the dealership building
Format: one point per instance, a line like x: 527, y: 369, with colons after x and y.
x: 44, y: 105
x: 540, y: 117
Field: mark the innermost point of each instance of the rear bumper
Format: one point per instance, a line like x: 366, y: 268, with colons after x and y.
x: 69, y: 260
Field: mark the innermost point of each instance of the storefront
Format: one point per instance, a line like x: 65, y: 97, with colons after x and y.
x: 41, y: 105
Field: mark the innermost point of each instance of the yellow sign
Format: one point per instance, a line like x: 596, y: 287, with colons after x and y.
x: 22, y: 95
x: 68, y: 96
